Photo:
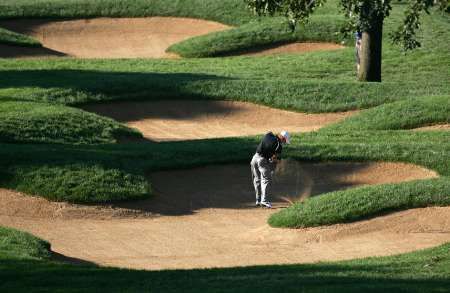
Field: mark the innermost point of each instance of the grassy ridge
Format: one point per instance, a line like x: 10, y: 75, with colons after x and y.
x: 414, y: 113
x: 21, y: 245
x: 426, y: 149
x: 359, y: 203
x: 37, y: 122
x: 77, y: 183
x: 421, y: 271
x: 11, y: 38
x: 258, y: 34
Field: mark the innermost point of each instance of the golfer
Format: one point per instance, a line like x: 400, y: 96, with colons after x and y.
x: 263, y: 165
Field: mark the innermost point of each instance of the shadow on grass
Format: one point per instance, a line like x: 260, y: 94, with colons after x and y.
x: 87, y: 86
x: 183, y: 177
x: 9, y: 51
x: 174, y: 110
x: 100, y: 81
x: 23, y: 275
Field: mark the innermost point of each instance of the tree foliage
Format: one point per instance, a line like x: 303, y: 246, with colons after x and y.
x: 361, y: 14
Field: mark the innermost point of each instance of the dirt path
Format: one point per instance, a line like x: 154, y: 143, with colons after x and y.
x: 183, y: 120
x: 109, y: 37
x: 204, y: 218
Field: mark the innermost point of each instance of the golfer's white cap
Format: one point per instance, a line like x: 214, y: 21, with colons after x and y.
x: 286, y: 136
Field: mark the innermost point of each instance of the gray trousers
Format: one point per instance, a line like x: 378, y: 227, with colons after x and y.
x: 262, y: 170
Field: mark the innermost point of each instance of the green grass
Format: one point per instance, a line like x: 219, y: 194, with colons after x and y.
x: 20, y: 245
x: 314, y: 82
x: 77, y: 183
x: 25, y: 267
x: 404, y: 114
x: 65, y: 154
x: 45, y: 123
x: 227, y: 11
x: 359, y: 203
x: 258, y: 34
x: 319, y: 82
x: 11, y: 38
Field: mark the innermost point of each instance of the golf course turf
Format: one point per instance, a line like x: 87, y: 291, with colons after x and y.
x: 52, y: 148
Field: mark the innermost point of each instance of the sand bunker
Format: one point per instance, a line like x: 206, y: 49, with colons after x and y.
x: 186, y: 120
x: 126, y: 38
x: 108, y: 37
x: 226, y: 187
x: 292, y: 48
x: 206, y: 219
x: 434, y: 127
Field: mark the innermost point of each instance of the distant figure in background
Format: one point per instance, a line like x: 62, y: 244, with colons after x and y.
x: 358, y: 38
x: 263, y: 165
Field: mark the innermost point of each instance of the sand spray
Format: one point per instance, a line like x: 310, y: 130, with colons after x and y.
x: 300, y: 181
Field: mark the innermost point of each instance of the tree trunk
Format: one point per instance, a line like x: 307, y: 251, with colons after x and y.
x: 370, y: 54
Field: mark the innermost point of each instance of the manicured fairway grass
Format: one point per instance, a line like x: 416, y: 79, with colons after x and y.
x: 25, y: 266
x: 313, y: 82
x: 45, y: 149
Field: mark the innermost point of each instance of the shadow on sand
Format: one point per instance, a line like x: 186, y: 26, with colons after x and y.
x: 183, y: 192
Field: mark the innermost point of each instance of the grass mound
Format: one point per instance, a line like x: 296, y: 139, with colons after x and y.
x: 358, y: 203
x: 258, y: 34
x: 11, y: 38
x: 77, y: 183
x: 45, y: 123
x: 226, y: 11
x: 21, y: 245
x: 414, y: 113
